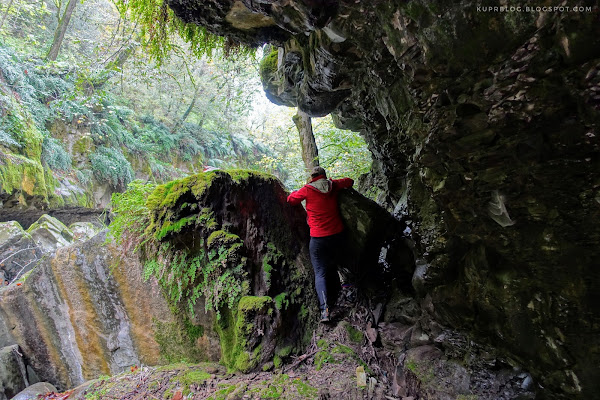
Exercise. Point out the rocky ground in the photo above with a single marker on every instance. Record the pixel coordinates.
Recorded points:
(331, 368)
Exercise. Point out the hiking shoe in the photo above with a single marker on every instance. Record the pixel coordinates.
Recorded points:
(325, 315)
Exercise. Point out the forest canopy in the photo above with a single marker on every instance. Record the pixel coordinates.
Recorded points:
(124, 90)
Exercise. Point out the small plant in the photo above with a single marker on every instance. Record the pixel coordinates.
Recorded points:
(132, 215)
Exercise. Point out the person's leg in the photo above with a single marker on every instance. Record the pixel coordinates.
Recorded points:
(318, 257)
(334, 250)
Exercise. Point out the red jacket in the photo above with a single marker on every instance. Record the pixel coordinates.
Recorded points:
(321, 197)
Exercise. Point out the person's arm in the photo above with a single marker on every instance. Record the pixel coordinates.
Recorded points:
(343, 183)
(297, 196)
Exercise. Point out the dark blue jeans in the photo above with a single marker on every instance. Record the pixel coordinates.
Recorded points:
(325, 255)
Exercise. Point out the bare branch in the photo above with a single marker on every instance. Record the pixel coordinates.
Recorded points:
(15, 253)
(21, 270)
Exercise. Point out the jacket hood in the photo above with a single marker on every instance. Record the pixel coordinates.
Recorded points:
(323, 185)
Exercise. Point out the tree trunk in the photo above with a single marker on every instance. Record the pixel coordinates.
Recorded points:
(117, 62)
(61, 29)
(188, 111)
(310, 153)
(6, 13)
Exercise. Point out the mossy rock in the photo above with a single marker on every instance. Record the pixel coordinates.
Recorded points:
(21, 174)
(243, 332)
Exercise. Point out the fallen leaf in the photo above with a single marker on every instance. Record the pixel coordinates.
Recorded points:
(177, 396)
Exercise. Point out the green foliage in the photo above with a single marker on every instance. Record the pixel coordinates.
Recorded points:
(54, 155)
(131, 214)
(214, 268)
(342, 153)
(282, 301)
(110, 166)
(160, 28)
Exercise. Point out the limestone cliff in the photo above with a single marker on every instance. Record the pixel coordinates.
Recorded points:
(484, 127)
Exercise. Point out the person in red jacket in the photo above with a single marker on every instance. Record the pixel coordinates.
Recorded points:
(326, 227)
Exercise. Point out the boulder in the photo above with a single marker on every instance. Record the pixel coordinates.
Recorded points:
(32, 392)
(18, 252)
(13, 374)
(75, 318)
(50, 234)
(67, 215)
(83, 231)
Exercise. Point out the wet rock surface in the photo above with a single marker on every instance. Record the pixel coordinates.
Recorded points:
(80, 314)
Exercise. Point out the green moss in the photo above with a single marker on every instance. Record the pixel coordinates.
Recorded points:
(176, 344)
(225, 328)
(354, 334)
(422, 370)
(284, 351)
(234, 329)
(281, 301)
(277, 361)
(194, 332)
(22, 174)
(268, 65)
(166, 196)
(270, 260)
(303, 312)
(194, 376)
(323, 357)
(222, 238)
(305, 390)
(243, 175)
(83, 145)
(224, 392)
(342, 349)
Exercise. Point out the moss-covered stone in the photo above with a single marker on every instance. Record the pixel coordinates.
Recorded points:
(354, 334)
(240, 332)
(22, 174)
(268, 65)
(176, 343)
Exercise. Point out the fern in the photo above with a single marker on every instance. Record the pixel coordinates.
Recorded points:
(54, 155)
(131, 214)
(110, 166)
(160, 28)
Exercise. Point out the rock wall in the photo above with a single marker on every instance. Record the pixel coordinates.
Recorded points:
(84, 313)
(484, 128)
